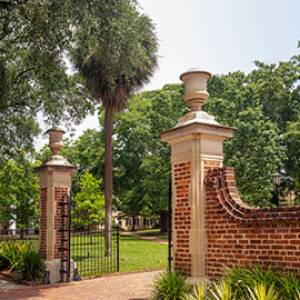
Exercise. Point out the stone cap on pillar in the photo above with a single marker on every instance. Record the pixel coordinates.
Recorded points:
(55, 145)
(196, 121)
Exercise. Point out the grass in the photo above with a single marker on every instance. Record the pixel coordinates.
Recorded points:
(137, 254)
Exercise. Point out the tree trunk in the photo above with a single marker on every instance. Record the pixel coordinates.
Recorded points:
(133, 224)
(108, 179)
(164, 221)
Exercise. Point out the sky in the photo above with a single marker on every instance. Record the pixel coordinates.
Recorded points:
(218, 36)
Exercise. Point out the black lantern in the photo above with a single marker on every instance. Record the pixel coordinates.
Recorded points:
(276, 179)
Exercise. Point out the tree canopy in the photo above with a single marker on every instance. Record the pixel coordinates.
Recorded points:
(19, 191)
(88, 203)
(116, 53)
(266, 140)
(35, 38)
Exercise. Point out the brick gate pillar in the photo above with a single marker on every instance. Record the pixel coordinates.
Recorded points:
(196, 145)
(55, 182)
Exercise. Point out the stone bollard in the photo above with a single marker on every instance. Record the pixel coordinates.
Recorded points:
(55, 183)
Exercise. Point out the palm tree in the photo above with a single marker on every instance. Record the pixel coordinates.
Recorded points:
(116, 54)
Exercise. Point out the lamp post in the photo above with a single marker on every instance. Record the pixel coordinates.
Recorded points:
(276, 180)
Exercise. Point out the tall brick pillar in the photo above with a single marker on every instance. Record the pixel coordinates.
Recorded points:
(55, 182)
(196, 145)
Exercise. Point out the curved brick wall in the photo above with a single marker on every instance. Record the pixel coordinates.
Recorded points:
(240, 235)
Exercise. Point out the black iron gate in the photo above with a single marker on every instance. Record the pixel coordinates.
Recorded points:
(84, 249)
(88, 252)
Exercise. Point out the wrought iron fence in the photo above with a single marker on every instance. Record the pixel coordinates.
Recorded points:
(88, 252)
(28, 236)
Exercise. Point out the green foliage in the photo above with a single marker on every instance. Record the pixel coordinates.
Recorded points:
(292, 140)
(222, 291)
(34, 38)
(199, 292)
(170, 286)
(116, 53)
(89, 202)
(252, 283)
(22, 259)
(261, 292)
(256, 153)
(19, 192)
(284, 283)
(115, 50)
(11, 255)
(86, 152)
(33, 267)
(141, 160)
(261, 105)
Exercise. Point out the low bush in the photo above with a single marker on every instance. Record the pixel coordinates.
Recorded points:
(23, 259)
(238, 283)
(286, 284)
(199, 292)
(32, 268)
(11, 254)
(170, 286)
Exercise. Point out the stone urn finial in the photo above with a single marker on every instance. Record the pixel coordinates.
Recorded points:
(55, 140)
(55, 145)
(195, 83)
(195, 95)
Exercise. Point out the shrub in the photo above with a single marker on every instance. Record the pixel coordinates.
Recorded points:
(222, 291)
(199, 292)
(11, 254)
(170, 286)
(22, 259)
(32, 268)
(242, 279)
(262, 292)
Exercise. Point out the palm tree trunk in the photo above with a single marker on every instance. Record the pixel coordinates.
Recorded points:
(108, 180)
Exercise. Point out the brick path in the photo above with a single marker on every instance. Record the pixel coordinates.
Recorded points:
(134, 286)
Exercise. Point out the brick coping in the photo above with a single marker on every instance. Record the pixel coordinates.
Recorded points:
(222, 180)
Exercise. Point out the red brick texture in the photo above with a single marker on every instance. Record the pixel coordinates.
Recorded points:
(240, 235)
(60, 193)
(43, 221)
(182, 216)
(61, 196)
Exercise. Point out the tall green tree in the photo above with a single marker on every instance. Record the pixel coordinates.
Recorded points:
(141, 160)
(19, 193)
(88, 202)
(256, 150)
(116, 54)
(292, 163)
(34, 39)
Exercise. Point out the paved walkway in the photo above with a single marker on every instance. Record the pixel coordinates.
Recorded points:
(134, 286)
(8, 285)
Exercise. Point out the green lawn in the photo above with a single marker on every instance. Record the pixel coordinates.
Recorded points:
(137, 254)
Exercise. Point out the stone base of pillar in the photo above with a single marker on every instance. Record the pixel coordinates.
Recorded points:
(195, 281)
(53, 268)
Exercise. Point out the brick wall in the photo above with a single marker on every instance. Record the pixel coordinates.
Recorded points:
(240, 235)
(182, 216)
(60, 196)
(43, 221)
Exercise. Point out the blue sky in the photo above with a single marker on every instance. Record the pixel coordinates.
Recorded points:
(221, 35)
(217, 35)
